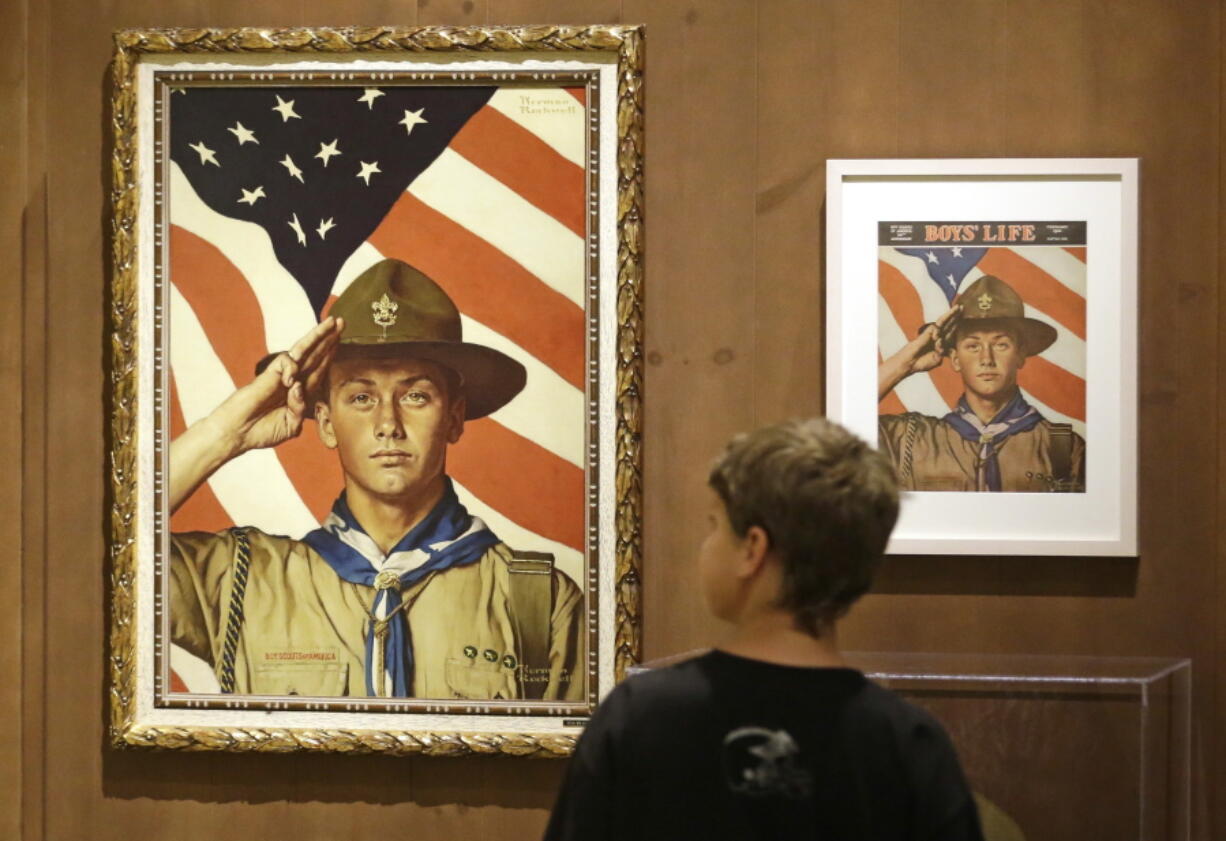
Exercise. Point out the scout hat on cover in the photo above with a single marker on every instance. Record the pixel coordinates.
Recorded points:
(990, 302)
(392, 310)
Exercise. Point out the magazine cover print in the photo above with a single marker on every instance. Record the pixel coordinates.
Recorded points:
(982, 355)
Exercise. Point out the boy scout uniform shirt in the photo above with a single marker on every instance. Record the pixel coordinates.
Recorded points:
(942, 460)
(304, 628)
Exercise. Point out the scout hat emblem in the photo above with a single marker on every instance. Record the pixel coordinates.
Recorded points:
(384, 312)
(985, 302)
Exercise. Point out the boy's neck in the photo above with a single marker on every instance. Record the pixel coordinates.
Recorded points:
(387, 520)
(772, 636)
(986, 408)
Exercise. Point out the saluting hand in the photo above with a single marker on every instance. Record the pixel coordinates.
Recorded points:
(923, 353)
(264, 413)
(270, 409)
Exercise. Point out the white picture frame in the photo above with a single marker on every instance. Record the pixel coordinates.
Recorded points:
(1099, 517)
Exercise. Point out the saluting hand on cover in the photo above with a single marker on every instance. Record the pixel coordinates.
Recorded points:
(264, 413)
(923, 353)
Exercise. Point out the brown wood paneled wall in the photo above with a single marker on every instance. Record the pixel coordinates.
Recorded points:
(746, 101)
(13, 201)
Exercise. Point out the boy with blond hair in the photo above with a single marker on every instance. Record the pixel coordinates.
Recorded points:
(771, 734)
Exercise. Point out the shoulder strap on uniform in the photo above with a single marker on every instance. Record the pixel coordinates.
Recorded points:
(906, 468)
(234, 617)
(531, 583)
(1061, 452)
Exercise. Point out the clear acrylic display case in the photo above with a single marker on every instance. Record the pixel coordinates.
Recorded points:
(1060, 747)
(1056, 748)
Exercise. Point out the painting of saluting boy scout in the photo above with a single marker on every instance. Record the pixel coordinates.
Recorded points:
(981, 355)
(376, 391)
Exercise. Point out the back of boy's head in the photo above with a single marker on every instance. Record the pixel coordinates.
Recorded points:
(826, 500)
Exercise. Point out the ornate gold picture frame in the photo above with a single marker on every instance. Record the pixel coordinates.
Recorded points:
(376, 386)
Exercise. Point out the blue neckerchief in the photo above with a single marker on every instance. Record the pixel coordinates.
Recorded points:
(448, 537)
(1017, 416)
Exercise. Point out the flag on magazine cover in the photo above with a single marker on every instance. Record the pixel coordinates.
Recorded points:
(280, 197)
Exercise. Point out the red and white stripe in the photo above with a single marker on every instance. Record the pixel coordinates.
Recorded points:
(498, 221)
(1052, 283)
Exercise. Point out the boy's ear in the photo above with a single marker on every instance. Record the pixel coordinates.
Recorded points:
(755, 546)
(323, 420)
(457, 410)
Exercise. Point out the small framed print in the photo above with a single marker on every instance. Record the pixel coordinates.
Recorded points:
(981, 328)
(377, 377)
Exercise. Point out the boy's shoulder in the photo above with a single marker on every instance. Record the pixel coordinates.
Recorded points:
(689, 681)
(714, 677)
(879, 707)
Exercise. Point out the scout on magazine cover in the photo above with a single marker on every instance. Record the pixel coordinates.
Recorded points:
(982, 354)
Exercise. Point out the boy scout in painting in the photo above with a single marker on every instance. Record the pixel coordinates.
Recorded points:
(401, 592)
(993, 440)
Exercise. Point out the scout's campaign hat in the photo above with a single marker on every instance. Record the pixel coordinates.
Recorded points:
(392, 310)
(991, 303)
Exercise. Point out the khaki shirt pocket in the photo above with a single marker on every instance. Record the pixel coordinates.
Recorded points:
(310, 679)
(476, 679)
(942, 483)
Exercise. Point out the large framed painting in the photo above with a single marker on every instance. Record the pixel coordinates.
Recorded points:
(376, 366)
(981, 328)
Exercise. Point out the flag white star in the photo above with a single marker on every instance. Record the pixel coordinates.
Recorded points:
(251, 196)
(285, 109)
(368, 170)
(957, 249)
(244, 135)
(327, 150)
(412, 118)
(932, 258)
(293, 223)
(369, 97)
(325, 225)
(206, 154)
(950, 278)
(292, 168)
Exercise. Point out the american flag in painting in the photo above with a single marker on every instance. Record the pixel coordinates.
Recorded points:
(280, 196)
(917, 283)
